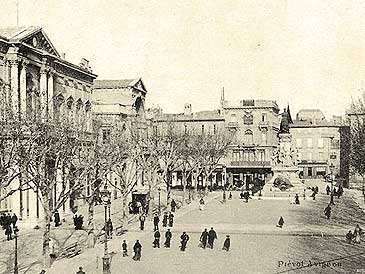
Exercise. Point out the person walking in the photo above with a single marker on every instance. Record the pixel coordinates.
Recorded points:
(246, 196)
(327, 212)
(212, 235)
(357, 234)
(224, 196)
(137, 248)
(349, 237)
(168, 236)
(13, 220)
(227, 243)
(281, 222)
(8, 232)
(125, 249)
(204, 238)
(230, 196)
(109, 228)
(157, 236)
(201, 204)
(184, 241)
(297, 199)
(171, 220)
(81, 271)
(328, 190)
(173, 205)
(57, 219)
(165, 219)
(142, 219)
(156, 220)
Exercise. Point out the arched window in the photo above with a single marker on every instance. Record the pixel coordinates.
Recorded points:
(248, 137)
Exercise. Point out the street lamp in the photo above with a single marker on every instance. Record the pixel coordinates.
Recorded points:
(332, 167)
(16, 230)
(159, 201)
(105, 196)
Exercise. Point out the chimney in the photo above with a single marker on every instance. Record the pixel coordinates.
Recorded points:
(63, 56)
(187, 109)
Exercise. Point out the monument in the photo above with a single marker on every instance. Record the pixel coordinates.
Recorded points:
(285, 179)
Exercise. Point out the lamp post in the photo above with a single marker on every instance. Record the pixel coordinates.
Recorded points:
(331, 169)
(105, 195)
(16, 230)
(159, 201)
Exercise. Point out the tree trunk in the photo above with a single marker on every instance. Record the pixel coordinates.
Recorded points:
(184, 185)
(168, 186)
(47, 229)
(90, 225)
(125, 209)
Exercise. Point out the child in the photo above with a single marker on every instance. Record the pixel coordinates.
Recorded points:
(125, 249)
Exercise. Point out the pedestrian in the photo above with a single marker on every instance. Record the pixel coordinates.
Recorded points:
(204, 238)
(51, 245)
(241, 195)
(297, 199)
(201, 204)
(56, 219)
(230, 196)
(75, 220)
(80, 271)
(224, 196)
(313, 194)
(142, 219)
(156, 220)
(168, 236)
(156, 242)
(14, 219)
(357, 234)
(212, 235)
(109, 228)
(327, 212)
(227, 243)
(246, 195)
(184, 240)
(317, 189)
(173, 205)
(8, 232)
(164, 220)
(171, 220)
(349, 237)
(125, 248)
(42, 272)
(281, 222)
(328, 190)
(137, 248)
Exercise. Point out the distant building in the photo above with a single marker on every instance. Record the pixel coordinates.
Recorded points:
(40, 83)
(319, 143)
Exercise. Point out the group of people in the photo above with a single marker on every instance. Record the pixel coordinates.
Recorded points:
(336, 191)
(78, 221)
(8, 223)
(354, 237)
(245, 195)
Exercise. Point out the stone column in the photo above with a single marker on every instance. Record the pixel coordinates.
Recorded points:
(23, 89)
(14, 80)
(43, 93)
(50, 94)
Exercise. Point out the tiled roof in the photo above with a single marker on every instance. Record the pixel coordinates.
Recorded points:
(306, 123)
(196, 116)
(123, 83)
(17, 33)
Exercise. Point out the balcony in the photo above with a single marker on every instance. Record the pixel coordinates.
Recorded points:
(257, 164)
(263, 124)
(232, 124)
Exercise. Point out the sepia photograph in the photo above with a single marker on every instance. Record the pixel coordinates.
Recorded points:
(182, 137)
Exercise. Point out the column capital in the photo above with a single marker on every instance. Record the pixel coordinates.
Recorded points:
(14, 62)
(51, 71)
(25, 63)
(43, 70)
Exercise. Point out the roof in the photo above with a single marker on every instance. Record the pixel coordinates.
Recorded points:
(317, 123)
(17, 33)
(250, 104)
(122, 83)
(210, 115)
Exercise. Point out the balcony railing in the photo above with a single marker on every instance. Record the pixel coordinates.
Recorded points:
(251, 163)
(232, 124)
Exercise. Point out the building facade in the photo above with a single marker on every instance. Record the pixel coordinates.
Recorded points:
(40, 83)
(319, 144)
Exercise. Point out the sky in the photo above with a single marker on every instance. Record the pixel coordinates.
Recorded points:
(310, 54)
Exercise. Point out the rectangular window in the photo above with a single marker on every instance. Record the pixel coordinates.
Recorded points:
(202, 129)
(299, 142)
(320, 143)
(309, 142)
(263, 117)
(264, 137)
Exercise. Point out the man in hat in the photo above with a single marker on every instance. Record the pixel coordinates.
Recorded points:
(168, 236)
(227, 243)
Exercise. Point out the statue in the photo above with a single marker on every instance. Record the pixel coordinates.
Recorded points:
(284, 124)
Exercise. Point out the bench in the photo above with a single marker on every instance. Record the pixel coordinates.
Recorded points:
(71, 251)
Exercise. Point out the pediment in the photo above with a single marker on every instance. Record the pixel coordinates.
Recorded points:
(140, 85)
(39, 40)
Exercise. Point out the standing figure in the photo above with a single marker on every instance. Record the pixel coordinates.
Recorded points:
(328, 190)
(349, 237)
(81, 271)
(246, 196)
(8, 232)
(14, 219)
(165, 219)
(184, 240)
(75, 220)
(241, 195)
(327, 212)
(224, 196)
(297, 199)
(156, 242)
(357, 234)
(173, 205)
(230, 196)
(212, 235)
(142, 219)
(204, 238)
(57, 219)
(137, 248)
(227, 243)
(171, 220)
(201, 204)
(168, 236)
(156, 220)
(281, 222)
(125, 248)
(109, 228)
(313, 194)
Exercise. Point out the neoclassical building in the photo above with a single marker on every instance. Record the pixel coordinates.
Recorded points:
(40, 83)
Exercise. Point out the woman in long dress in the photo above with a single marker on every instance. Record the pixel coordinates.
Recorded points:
(201, 204)
(357, 234)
